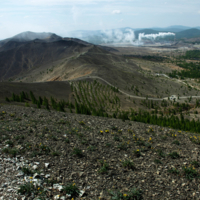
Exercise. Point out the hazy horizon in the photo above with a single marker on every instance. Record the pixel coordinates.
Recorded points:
(62, 16)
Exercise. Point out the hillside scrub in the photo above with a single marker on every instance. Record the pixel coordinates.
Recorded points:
(100, 100)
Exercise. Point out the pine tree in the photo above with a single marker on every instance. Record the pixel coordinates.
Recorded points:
(33, 99)
(21, 99)
(40, 100)
(38, 104)
(13, 97)
(47, 106)
(53, 103)
(60, 107)
(7, 99)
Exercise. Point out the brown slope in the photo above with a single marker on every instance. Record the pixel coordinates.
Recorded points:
(33, 54)
(105, 64)
(80, 60)
(10, 45)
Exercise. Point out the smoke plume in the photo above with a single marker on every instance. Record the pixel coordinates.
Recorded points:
(117, 36)
(154, 36)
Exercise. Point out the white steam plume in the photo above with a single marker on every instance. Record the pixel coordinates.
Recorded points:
(117, 36)
(154, 36)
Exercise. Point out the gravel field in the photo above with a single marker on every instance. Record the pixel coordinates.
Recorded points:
(44, 152)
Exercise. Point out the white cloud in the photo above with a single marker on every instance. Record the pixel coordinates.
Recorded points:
(116, 12)
(121, 20)
(76, 12)
(199, 12)
(54, 2)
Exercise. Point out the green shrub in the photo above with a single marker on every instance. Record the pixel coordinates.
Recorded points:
(82, 123)
(13, 152)
(157, 161)
(44, 148)
(91, 148)
(77, 152)
(173, 171)
(137, 153)
(116, 138)
(161, 153)
(67, 140)
(10, 151)
(195, 163)
(190, 172)
(71, 189)
(140, 143)
(26, 189)
(122, 146)
(27, 171)
(104, 167)
(176, 142)
(134, 194)
(35, 153)
(5, 150)
(10, 143)
(55, 153)
(129, 164)
(53, 137)
(108, 144)
(114, 128)
(27, 104)
(174, 155)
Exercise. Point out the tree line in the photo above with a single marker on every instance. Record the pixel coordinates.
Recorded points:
(142, 116)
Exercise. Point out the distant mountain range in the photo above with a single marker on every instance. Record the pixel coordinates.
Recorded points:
(127, 34)
(177, 28)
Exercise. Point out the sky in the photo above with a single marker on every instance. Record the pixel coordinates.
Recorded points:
(63, 16)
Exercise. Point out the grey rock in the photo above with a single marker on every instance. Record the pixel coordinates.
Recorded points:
(47, 176)
(57, 187)
(46, 165)
(35, 167)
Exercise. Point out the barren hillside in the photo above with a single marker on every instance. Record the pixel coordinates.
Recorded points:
(46, 153)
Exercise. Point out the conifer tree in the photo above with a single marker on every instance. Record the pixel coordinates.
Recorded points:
(33, 99)
(38, 104)
(13, 97)
(40, 100)
(7, 99)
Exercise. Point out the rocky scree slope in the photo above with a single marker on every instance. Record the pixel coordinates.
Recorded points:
(99, 156)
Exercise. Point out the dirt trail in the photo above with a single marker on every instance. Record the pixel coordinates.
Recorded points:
(132, 96)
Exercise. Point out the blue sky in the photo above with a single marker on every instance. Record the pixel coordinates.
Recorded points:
(63, 16)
